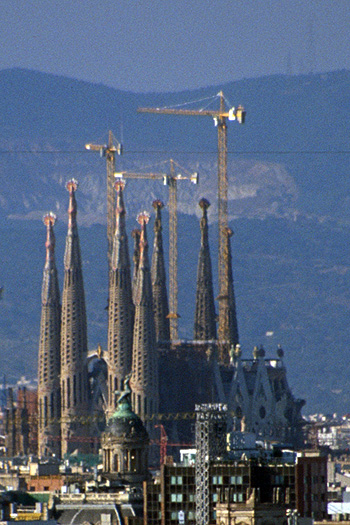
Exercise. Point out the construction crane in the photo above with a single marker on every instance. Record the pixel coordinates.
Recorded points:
(171, 181)
(163, 443)
(220, 116)
(109, 150)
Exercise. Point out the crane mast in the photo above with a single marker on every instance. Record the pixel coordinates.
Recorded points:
(109, 150)
(170, 181)
(220, 116)
(110, 161)
(173, 283)
(223, 331)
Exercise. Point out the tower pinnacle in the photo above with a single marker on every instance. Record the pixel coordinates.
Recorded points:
(159, 291)
(228, 327)
(120, 306)
(145, 362)
(74, 382)
(205, 318)
(136, 258)
(49, 351)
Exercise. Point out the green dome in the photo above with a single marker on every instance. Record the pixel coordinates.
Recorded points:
(124, 410)
(124, 422)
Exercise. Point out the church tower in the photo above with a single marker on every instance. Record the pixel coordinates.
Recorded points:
(205, 317)
(159, 291)
(145, 396)
(74, 380)
(135, 258)
(120, 306)
(228, 329)
(49, 399)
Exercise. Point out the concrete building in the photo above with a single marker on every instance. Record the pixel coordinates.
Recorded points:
(245, 491)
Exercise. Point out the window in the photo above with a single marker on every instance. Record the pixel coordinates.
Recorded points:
(279, 480)
(176, 498)
(235, 480)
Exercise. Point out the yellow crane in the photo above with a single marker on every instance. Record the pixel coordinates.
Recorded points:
(220, 117)
(109, 150)
(171, 181)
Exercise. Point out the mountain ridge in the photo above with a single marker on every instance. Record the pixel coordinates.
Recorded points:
(288, 206)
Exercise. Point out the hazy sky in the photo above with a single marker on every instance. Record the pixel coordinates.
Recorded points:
(168, 45)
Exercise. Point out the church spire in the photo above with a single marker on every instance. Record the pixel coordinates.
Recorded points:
(228, 329)
(205, 318)
(136, 258)
(145, 362)
(159, 291)
(74, 381)
(49, 351)
(120, 307)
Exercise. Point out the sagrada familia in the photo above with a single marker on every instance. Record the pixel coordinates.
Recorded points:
(77, 394)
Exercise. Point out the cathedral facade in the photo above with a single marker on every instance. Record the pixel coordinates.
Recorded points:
(167, 377)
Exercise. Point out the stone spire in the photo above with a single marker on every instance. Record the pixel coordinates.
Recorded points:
(120, 307)
(74, 380)
(49, 399)
(144, 363)
(136, 258)
(159, 291)
(228, 330)
(205, 317)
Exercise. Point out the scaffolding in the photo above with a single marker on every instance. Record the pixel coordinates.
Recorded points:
(211, 427)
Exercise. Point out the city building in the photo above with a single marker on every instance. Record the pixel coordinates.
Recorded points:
(245, 491)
